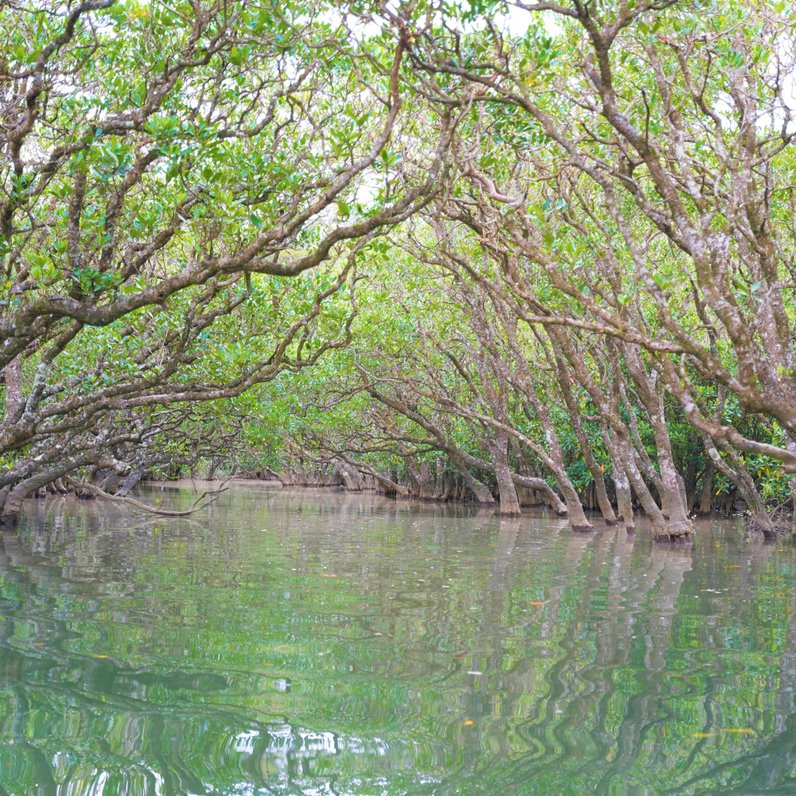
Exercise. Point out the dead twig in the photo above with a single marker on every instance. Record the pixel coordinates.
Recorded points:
(209, 496)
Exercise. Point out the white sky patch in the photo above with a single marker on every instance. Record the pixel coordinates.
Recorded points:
(516, 21)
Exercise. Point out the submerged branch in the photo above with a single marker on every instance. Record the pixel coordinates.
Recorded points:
(208, 496)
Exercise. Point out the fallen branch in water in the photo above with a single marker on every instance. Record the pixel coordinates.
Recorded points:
(209, 496)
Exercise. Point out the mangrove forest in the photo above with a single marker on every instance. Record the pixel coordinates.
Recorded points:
(397, 397)
(523, 254)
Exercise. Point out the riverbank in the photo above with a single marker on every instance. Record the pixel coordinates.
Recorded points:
(529, 510)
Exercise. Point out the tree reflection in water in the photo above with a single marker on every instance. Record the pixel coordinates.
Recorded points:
(427, 650)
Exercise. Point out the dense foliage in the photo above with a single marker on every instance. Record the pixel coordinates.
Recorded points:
(502, 252)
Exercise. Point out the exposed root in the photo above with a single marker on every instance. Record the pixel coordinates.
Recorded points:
(582, 528)
(770, 525)
(769, 533)
(676, 533)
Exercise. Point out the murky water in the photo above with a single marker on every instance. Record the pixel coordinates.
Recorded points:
(318, 643)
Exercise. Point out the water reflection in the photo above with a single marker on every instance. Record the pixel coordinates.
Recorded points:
(304, 642)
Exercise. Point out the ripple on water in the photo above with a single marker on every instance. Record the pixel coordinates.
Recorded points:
(323, 643)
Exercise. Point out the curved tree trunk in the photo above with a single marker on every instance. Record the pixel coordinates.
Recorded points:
(12, 505)
(543, 488)
(352, 480)
(760, 520)
(391, 488)
(480, 491)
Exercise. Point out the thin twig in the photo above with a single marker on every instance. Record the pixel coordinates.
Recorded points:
(211, 496)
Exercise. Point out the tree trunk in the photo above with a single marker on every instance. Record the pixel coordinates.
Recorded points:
(130, 482)
(390, 487)
(670, 486)
(12, 505)
(554, 458)
(12, 374)
(509, 502)
(576, 517)
(624, 495)
(706, 496)
(352, 480)
(575, 514)
(624, 498)
(480, 491)
(662, 528)
(760, 520)
(791, 445)
(543, 488)
(603, 503)
(109, 480)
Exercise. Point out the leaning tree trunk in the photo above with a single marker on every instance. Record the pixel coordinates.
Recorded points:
(352, 480)
(544, 489)
(390, 487)
(760, 519)
(603, 503)
(671, 488)
(669, 522)
(14, 498)
(555, 462)
(673, 498)
(624, 495)
(130, 482)
(662, 529)
(421, 478)
(480, 491)
(576, 517)
(30, 478)
(606, 509)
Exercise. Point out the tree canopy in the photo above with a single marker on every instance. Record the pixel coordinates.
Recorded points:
(507, 252)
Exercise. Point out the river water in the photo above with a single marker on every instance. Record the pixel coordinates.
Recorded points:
(321, 643)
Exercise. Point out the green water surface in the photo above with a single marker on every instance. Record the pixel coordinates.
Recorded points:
(321, 643)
